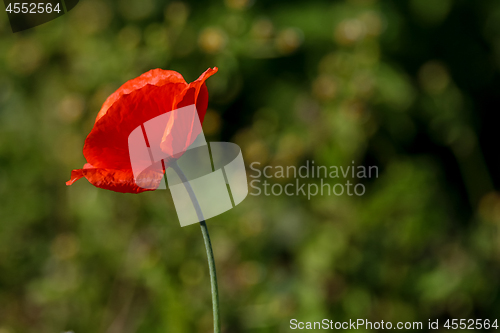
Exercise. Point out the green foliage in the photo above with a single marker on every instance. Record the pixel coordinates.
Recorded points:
(333, 82)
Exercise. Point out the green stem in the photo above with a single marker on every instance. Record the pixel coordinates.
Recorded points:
(208, 244)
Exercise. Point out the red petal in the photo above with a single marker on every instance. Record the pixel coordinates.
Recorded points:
(157, 77)
(197, 93)
(107, 144)
(117, 180)
(75, 175)
(182, 132)
(137, 101)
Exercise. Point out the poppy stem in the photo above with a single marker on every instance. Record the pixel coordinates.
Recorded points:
(208, 244)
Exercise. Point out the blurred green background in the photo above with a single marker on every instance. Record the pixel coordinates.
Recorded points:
(412, 87)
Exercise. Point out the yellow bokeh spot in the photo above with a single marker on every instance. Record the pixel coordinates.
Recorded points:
(212, 40)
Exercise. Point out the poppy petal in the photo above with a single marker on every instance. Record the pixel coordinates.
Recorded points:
(119, 180)
(197, 93)
(134, 103)
(156, 77)
(75, 175)
(182, 131)
(107, 144)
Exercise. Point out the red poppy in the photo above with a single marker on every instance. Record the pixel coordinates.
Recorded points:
(152, 94)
